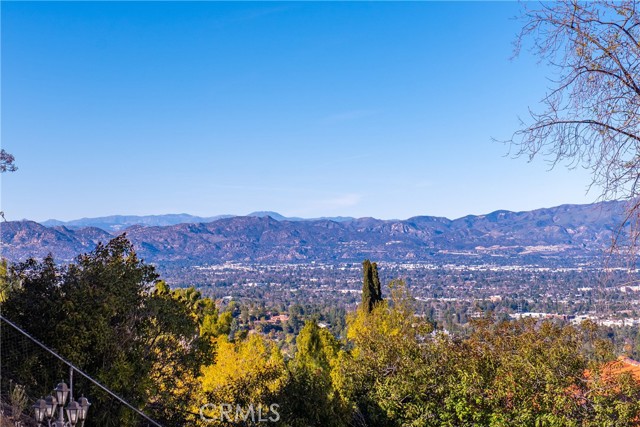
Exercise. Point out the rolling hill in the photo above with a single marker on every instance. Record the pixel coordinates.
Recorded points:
(567, 231)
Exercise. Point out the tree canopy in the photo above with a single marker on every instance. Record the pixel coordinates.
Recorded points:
(106, 313)
(7, 162)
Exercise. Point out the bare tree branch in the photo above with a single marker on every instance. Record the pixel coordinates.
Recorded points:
(591, 116)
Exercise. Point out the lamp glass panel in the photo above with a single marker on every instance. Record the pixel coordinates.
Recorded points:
(62, 393)
(51, 403)
(72, 413)
(39, 410)
(84, 405)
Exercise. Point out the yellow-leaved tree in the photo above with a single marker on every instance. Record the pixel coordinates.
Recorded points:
(244, 383)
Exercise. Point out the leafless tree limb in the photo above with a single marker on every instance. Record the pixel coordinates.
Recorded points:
(590, 117)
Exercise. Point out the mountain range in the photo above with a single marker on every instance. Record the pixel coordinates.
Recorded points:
(120, 222)
(569, 232)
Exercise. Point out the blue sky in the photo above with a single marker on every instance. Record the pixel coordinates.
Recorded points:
(308, 109)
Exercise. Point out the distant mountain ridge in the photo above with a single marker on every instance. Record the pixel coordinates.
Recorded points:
(121, 222)
(571, 232)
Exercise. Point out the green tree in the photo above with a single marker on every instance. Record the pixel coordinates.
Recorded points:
(371, 290)
(389, 375)
(310, 397)
(181, 340)
(103, 313)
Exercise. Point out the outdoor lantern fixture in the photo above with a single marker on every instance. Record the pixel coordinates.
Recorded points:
(62, 393)
(73, 412)
(51, 404)
(76, 412)
(84, 407)
(40, 409)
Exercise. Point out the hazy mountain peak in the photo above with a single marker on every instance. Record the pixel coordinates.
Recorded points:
(274, 215)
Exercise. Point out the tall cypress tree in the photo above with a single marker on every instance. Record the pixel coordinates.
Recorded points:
(367, 286)
(376, 283)
(371, 291)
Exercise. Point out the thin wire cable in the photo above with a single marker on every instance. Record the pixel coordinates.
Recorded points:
(72, 366)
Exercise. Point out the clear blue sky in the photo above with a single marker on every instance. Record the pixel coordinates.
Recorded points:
(308, 109)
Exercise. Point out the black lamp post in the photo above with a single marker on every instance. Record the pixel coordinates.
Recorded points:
(45, 409)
